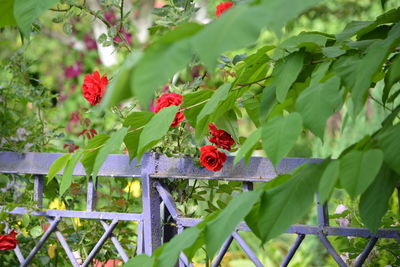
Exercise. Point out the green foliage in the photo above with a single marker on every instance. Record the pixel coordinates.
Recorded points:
(209, 110)
(27, 11)
(358, 170)
(67, 177)
(286, 72)
(155, 129)
(247, 147)
(390, 143)
(92, 150)
(217, 231)
(192, 99)
(155, 66)
(7, 17)
(279, 135)
(285, 204)
(57, 166)
(114, 142)
(135, 120)
(317, 103)
(237, 28)
(372, 208)
(328, 181)
(287, 90)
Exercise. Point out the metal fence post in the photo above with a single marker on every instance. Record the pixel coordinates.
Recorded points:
(151, 206)
(38, 191)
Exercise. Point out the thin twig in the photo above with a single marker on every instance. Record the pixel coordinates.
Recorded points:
(102, 19)
(384, 106)
(255, 82)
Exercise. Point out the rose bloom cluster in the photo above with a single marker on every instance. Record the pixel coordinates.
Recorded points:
(9, 241)
(93, 89)
(210, 156)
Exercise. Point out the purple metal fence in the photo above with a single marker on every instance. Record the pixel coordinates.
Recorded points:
(152, 170)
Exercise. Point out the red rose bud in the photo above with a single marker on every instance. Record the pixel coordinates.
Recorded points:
(171, 99)
(71, 147)
(222, 7)
(212, 158)
(8, 242)
(93, 87)
(220, 138)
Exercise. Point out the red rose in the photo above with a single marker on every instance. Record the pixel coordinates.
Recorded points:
(221, 8)
(220, 138)
(8, 241)
(171, 99)
(212, 158)
(93, 87)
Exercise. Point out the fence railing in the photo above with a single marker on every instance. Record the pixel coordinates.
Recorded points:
(152, 169)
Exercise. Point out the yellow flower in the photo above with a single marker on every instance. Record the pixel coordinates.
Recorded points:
(51, 251)
(76, 222)
(134, 188)
(57, 204)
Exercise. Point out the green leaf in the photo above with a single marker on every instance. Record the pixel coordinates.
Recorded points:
(155, 129)
(164, 58)
(328, 180)
(389, 141)
(36, 231)
(252, 106)
(392, 77)
(229, 123)
(317, 103)
(3, 180)
(67, 177)
(358, 170)
(311, 41)
(195, 98)
(117, 90)
(113, 143)
(7, 13)
(140, 260)
(371, 64)
(203, 119)
(255, 66)
(25, 220)
(285, 204)
(333, 51)
(279, 134)
(219, 229)
(351, 29)
(374, 202)
(57, 166)
(247, 147)
(27, 11)
(188, 241)
(267, 101)
(135, 120)
(285, 73)
(91, 151)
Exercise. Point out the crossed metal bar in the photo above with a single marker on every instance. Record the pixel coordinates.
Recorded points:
(152, 170)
